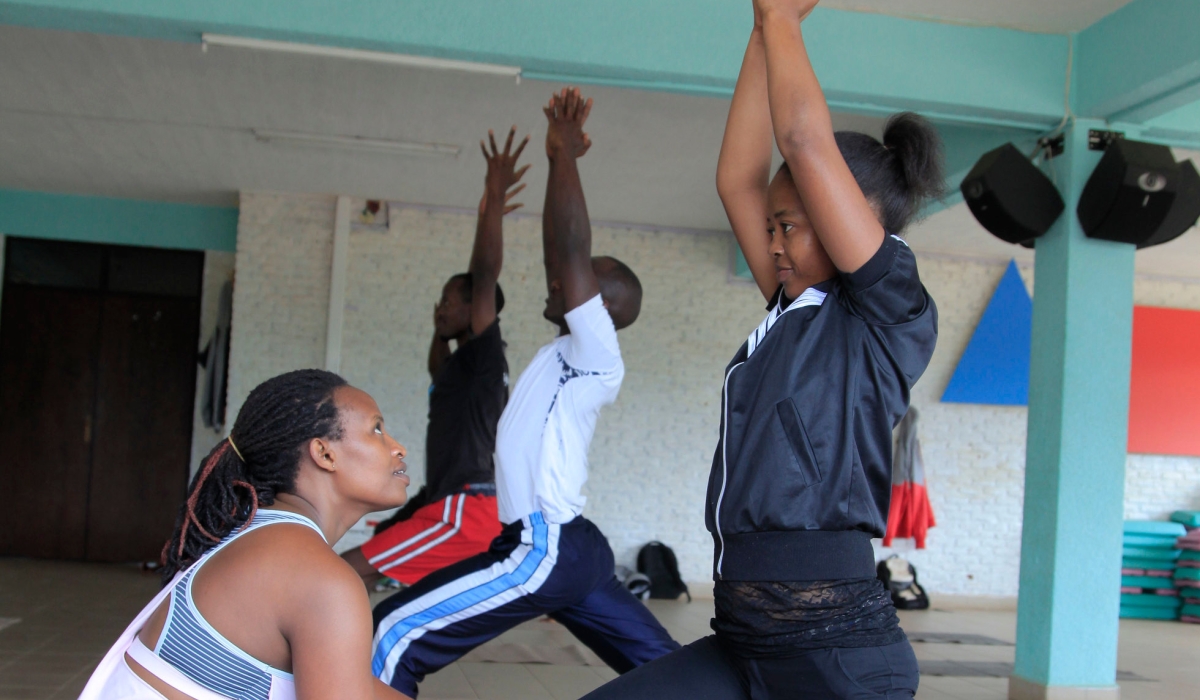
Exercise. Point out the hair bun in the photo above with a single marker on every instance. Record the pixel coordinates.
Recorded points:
(918, 148)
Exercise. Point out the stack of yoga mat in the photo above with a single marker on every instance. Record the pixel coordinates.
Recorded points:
(1148, 557)
(1187, 566)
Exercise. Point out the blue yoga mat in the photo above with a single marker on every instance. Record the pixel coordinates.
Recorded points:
(1190, 518)
(1190, 555)
(1188, 574)
(1154, 527)
(1152, 541)
(1193, 610)
(1141, 613)
(1139, 563)
(1146, 582)
(1167, 555)
(1151, 601)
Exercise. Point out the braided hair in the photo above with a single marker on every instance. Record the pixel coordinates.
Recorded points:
(260, 459)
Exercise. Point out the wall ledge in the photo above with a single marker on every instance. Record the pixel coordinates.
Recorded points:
(1024, 689)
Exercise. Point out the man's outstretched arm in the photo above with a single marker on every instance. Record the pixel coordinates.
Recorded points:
(567, 232)
(488, 254)
(549, 245)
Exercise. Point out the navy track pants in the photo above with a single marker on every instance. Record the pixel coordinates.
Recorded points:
(705, 670)
(532, 569)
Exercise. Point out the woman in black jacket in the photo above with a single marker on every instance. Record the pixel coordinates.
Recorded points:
(801, 477)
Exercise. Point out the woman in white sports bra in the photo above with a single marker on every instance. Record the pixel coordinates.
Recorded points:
(256, 605)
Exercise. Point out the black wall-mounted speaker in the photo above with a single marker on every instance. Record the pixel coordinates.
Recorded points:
(1184, 212)
(1010, 197)
(1130, 193)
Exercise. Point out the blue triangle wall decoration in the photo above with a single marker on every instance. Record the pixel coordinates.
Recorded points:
(994, 369)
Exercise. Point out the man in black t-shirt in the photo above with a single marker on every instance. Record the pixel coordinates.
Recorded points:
(454, 516)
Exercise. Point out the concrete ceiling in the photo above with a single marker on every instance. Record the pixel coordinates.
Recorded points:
(144, 119)
(121, 117)
(1050, 16)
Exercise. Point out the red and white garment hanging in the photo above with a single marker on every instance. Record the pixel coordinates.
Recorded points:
(910, 514)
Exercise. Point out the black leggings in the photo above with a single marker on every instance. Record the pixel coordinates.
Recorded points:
(703, 670)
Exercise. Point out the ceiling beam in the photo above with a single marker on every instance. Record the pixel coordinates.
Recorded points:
(1180, 127)
(1139, 63)
(868, 63)
(71, 217)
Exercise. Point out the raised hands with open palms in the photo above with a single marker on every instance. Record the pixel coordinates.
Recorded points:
(503, 175)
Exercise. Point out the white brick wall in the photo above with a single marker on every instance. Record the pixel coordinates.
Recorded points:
(653, 448)
(281, 289)
(1156, 485)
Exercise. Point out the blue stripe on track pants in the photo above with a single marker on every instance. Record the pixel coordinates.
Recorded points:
(532, 569)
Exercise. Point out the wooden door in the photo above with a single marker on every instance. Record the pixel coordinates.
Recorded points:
(47, 399)
(97, 382)
(145, 393)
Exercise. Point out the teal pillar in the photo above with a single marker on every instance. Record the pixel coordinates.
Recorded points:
(1075, 452)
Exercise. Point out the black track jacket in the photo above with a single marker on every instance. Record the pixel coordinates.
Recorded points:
(801, 478)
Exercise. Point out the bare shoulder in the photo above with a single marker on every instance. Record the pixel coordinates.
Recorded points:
(307, 561)
(299, 561)
(320, 599)
(277, 586)
(317, 597)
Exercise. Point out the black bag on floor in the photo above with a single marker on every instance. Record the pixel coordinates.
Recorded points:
(900, 578)
(658, 563)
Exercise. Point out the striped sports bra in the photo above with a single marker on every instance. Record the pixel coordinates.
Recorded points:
(197, 650)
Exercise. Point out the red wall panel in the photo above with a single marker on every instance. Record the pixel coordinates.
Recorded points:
(1164, 386)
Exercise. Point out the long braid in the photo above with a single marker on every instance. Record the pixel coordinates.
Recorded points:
(190, 517)
(273, 427)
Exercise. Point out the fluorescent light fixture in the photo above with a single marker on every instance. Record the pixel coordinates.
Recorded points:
(399, 59)
(357, 143)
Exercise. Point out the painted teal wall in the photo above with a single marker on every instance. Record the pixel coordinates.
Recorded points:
(121, 221)
(1179, 127)
(1075, 453)
(1139, 62)
(1186, 118)
(868, 63)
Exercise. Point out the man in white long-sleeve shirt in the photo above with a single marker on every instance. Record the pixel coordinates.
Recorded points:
(549, 559)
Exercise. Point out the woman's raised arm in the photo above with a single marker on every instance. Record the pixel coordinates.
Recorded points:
(745, 163)
(843, 219)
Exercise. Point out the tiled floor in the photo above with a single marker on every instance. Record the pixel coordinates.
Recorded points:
(70, 613)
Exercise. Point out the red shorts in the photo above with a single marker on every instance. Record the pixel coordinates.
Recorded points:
(436, 536)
